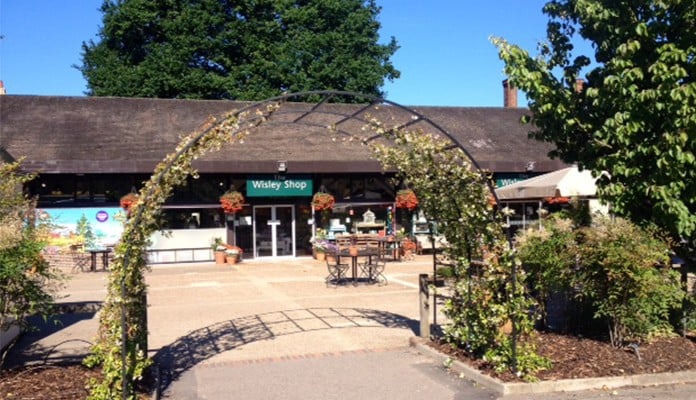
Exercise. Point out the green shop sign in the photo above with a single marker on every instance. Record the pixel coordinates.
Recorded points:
(279, 186)
(508, 179)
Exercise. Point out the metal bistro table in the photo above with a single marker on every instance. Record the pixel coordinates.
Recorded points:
(368, 252)
(105, 258)
(390, 246)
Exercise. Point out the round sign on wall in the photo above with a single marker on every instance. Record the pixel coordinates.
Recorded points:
(102, 216)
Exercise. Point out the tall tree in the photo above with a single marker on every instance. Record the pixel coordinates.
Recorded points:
(633, 114)
(236, 49)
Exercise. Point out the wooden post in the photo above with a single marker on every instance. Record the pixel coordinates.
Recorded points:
(424, 305)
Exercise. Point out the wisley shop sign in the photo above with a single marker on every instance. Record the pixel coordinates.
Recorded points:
(284, 187)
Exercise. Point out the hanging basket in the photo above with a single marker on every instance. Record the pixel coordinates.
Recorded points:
(323, 201)
(557, 200)
(232, 202)
(406, 198)
(128, 200)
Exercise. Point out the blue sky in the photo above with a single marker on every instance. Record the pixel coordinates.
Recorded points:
(445, 58)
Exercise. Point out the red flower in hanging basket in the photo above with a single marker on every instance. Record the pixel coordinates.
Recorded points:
(323, 201)
(128, 200)
(406, 198)
(232, 202)
(557, 200)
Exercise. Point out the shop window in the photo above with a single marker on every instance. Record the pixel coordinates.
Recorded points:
(63, 189)
(192, 218)
(358, 188)
(378, 188)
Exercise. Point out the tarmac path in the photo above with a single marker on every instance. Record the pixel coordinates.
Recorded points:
(376, 375)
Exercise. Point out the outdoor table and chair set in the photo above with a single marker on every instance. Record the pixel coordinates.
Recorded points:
(357, 262)
(85, 259)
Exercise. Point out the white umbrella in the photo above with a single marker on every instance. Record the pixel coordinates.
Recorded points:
(567, 182)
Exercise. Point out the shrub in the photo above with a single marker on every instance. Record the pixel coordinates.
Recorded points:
(626, 275)
(549, 258)
(26, 279)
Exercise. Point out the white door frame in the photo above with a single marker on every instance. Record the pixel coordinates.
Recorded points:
(276, 246)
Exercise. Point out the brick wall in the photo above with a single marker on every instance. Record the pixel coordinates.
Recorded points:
(64, 262)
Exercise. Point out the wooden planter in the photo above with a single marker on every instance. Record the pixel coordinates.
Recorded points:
(232, 259)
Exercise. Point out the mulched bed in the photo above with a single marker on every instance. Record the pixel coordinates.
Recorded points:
(49, 382)
(577, 357)
(573, 357)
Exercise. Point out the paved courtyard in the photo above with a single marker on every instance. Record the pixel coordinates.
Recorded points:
(259, 329)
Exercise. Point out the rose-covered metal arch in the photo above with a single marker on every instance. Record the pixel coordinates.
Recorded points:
(344, 114)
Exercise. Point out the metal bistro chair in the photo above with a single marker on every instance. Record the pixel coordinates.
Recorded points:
(374, 270)
(81, 260)
(337, 271)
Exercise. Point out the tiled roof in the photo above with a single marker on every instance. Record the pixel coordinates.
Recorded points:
(130, 135)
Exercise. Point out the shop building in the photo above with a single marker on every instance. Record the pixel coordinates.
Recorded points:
(90, 151)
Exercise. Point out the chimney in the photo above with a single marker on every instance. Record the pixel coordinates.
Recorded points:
(509, 95)
(2, 88)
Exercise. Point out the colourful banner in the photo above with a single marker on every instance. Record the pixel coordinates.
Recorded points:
(95, 227)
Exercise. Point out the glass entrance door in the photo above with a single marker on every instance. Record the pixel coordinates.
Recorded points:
(274, 231)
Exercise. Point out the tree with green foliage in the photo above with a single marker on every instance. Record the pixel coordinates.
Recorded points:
(27, 281)
(239, 50)
(629, 111)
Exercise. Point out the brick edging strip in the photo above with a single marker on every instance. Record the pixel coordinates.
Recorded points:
(562, 385)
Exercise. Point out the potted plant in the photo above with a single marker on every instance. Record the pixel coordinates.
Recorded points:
(319, 244)
(219, 248)
(232, 202)
(233, 254)
(409, 246)
(319, 249)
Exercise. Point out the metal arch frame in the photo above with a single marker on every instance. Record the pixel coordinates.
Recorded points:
(373, 101)
(325, 97)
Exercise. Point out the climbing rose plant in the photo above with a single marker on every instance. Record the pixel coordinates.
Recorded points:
(488, 297)
(126, 290)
